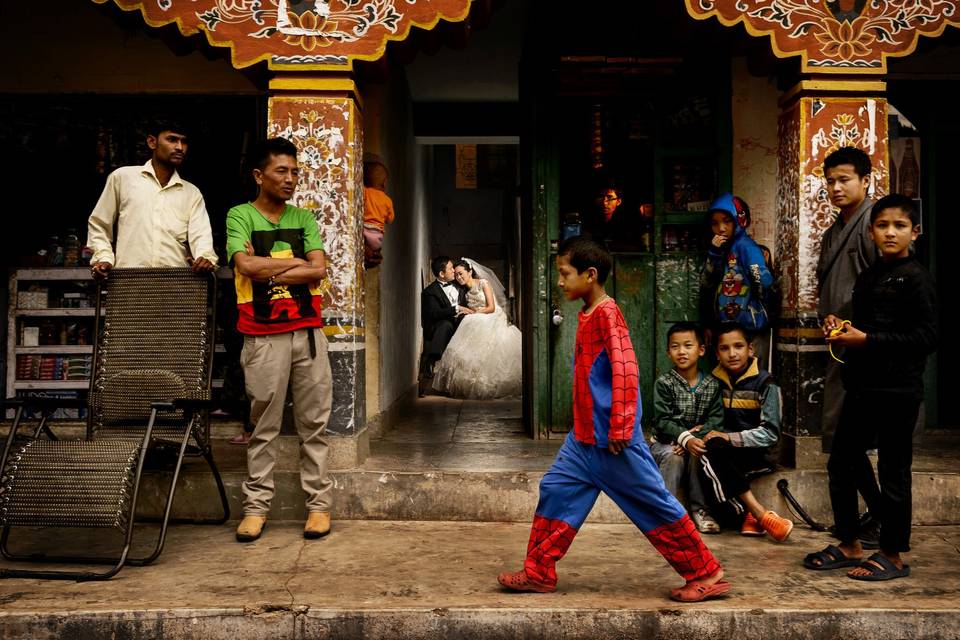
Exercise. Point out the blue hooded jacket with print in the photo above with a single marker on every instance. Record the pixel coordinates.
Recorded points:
(735, 278)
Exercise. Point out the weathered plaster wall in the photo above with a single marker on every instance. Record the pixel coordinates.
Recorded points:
(389, 134)
(82, 47)
(755, 148)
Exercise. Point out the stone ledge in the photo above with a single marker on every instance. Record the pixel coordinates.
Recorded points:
(507, 496)
(673, 622)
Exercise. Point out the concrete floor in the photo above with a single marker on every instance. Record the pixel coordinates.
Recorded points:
(446, 434)
(416, 579)
(420, 579)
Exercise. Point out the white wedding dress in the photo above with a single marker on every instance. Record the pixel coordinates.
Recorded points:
(484, 357)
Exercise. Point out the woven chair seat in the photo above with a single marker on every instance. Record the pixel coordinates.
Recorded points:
(154, 344)
(69, 483)
(135, 431)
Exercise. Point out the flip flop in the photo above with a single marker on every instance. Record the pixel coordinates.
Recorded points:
(695, 591)
(520, 581)
(830, 558)
(880, 568)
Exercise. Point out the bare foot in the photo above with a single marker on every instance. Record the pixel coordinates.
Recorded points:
(892, 557)
(853, 551)
(713, 579)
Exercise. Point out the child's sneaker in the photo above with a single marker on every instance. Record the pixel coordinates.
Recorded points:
(778, 527)
(520, 581)
(705, 522)
(751, 527)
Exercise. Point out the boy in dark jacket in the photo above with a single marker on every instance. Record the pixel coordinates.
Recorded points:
(887, 341)
(751, 408)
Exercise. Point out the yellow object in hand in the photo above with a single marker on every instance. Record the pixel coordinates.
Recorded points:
(835, 332)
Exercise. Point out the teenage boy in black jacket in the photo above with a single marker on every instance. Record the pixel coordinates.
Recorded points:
(893, 329)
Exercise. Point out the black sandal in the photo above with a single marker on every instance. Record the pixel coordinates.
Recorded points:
(830, 558)
(880, 568)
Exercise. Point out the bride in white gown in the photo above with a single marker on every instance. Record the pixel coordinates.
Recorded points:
(483, 359)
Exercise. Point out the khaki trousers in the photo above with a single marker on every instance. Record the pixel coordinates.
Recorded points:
(270, 364)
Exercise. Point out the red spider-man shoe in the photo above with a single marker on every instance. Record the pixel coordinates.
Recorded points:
(520, 581)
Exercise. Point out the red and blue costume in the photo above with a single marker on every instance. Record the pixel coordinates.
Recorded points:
(606, 394)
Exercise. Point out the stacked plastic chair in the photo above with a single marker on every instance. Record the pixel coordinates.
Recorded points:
(150, 391)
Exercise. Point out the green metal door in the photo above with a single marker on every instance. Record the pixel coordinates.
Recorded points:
(654, 287)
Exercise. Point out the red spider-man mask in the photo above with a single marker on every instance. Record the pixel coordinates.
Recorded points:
(743, 212)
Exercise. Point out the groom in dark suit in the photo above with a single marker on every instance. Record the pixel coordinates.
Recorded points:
(443, 303)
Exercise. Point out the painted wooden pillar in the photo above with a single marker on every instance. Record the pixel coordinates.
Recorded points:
(322, 117)
(817, 117)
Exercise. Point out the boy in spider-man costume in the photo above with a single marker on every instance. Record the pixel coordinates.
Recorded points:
(605, 451)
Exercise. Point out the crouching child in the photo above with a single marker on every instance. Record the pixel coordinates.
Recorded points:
(685, 401)
(752, 413)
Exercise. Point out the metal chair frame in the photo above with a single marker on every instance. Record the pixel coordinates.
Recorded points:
(195, 416)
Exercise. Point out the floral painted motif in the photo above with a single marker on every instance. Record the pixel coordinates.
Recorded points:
(326, 132)
(788, 206)
(808, 133)
(290, 34)
(836, 35)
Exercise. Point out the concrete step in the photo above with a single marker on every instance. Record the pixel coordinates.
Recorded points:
(498, 495)
(486, 481)
(438, 580)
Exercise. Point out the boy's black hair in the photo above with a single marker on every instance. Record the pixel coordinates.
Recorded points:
(583, 253)
(439, 263)
(266, 149)
(158, 125)
(729, 327)
(849, 155)
(684, 326)
(896, 201)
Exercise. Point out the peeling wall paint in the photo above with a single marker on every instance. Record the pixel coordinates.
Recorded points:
(328, 134)
(754, 110)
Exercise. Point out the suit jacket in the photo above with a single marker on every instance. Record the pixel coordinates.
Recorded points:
(435, 307)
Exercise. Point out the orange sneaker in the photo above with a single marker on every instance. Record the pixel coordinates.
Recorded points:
(751, 527)
(779, 528)
(520, 581)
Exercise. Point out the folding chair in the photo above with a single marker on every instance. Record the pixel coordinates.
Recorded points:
(150, 385)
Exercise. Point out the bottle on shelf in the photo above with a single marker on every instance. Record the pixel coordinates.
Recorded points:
(893, 175)
(71, 249)
(909, 172)
(54, 252)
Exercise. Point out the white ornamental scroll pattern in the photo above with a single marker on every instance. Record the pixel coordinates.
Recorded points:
(326, 138)
(836, 35)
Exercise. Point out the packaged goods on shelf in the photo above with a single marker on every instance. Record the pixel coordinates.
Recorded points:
(62, 413)
(53, 367)
(33, 299)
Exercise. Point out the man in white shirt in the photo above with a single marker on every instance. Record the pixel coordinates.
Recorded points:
(159, 218)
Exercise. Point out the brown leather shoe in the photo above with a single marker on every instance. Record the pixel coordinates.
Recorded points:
(250, 528)
(318, 525)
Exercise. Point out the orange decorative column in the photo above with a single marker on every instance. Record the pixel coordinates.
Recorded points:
(817, 118)
(322, 117)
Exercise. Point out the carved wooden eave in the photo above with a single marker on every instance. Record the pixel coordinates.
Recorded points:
(299, 35)
(836, 36)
